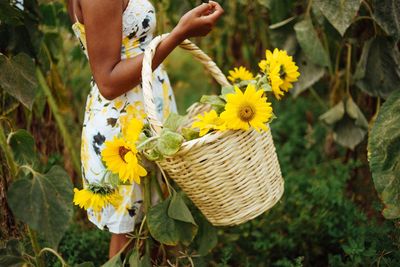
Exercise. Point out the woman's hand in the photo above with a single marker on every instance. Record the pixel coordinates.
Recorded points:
(199, 21)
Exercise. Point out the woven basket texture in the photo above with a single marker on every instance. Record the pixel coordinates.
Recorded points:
(231, 176)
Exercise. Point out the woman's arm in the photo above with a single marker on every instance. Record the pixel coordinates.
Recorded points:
(103, 27)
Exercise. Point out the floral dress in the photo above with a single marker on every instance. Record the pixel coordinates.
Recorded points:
(103, 118)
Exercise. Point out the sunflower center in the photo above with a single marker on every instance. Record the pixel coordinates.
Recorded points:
(246, 113)
(282, 72)
(122, 152)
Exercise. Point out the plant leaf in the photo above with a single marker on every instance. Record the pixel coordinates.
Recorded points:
(310, 74)
(44, 203)
(310, 43)
(207, 236)
(387, 14)
(190, 133)
(167, 230)
(11, 254)
(215, 101)
(136, 261)
(333, 115)
(340, 13)
(169, 142)
(384, 156)
(174, 121)
(378, 71)
(18, 78)
(23, 146)
(178, 210)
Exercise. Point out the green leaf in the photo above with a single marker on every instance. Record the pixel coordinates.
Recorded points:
(347, 134)
(340, 13)
(18, 78)
(384, 156)
(348, 122)
(190, 133)
(215, 101)
(167, 230)
(310, 43)
(44, 203)
(169, 142)
(378, 71)
(227, 90)
(11, 254)
(178, 210)
(114, 261)
(333, 115)
(310, 74)
(23, 146)
(207, 237)
(174, 121)
(386, 14)
(136, 261)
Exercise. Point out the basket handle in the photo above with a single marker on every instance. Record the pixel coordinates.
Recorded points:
(147, 72)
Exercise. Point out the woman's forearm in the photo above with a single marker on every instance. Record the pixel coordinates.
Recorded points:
(126, 74)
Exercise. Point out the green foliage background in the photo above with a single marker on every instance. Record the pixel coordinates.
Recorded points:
(330, 215)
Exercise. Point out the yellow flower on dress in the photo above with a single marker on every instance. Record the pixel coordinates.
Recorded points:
(240, 74)
(208, 121)
(120, 158)
(96, 197)
(250, 108)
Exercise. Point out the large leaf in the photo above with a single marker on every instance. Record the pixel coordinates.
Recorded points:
(17, 77)
(387, 14)
(348, 123)
(310, 43)
(340, 13)
(44, 202)
(310, 74)
(23, 146)
(384, 156)
(166, 229)
(378, 71)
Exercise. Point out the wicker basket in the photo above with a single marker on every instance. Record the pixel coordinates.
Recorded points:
(231, 176)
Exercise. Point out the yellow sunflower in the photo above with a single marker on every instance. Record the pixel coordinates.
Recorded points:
(272, 68)
(247, 109)
(279, 64)
(240, 74)
(96, 197)
(208, 121)
(120, 158)
(131, 130)
(288, 72)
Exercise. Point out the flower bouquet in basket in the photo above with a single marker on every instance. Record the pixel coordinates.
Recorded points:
(220, 154)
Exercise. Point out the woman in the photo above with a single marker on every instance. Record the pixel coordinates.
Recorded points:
(113, 35)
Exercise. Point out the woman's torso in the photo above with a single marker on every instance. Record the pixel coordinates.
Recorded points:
(103, 118)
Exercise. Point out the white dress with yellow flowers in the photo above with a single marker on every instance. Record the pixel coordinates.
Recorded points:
(103, 118)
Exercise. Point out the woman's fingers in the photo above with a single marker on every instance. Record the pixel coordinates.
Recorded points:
(201, 9)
